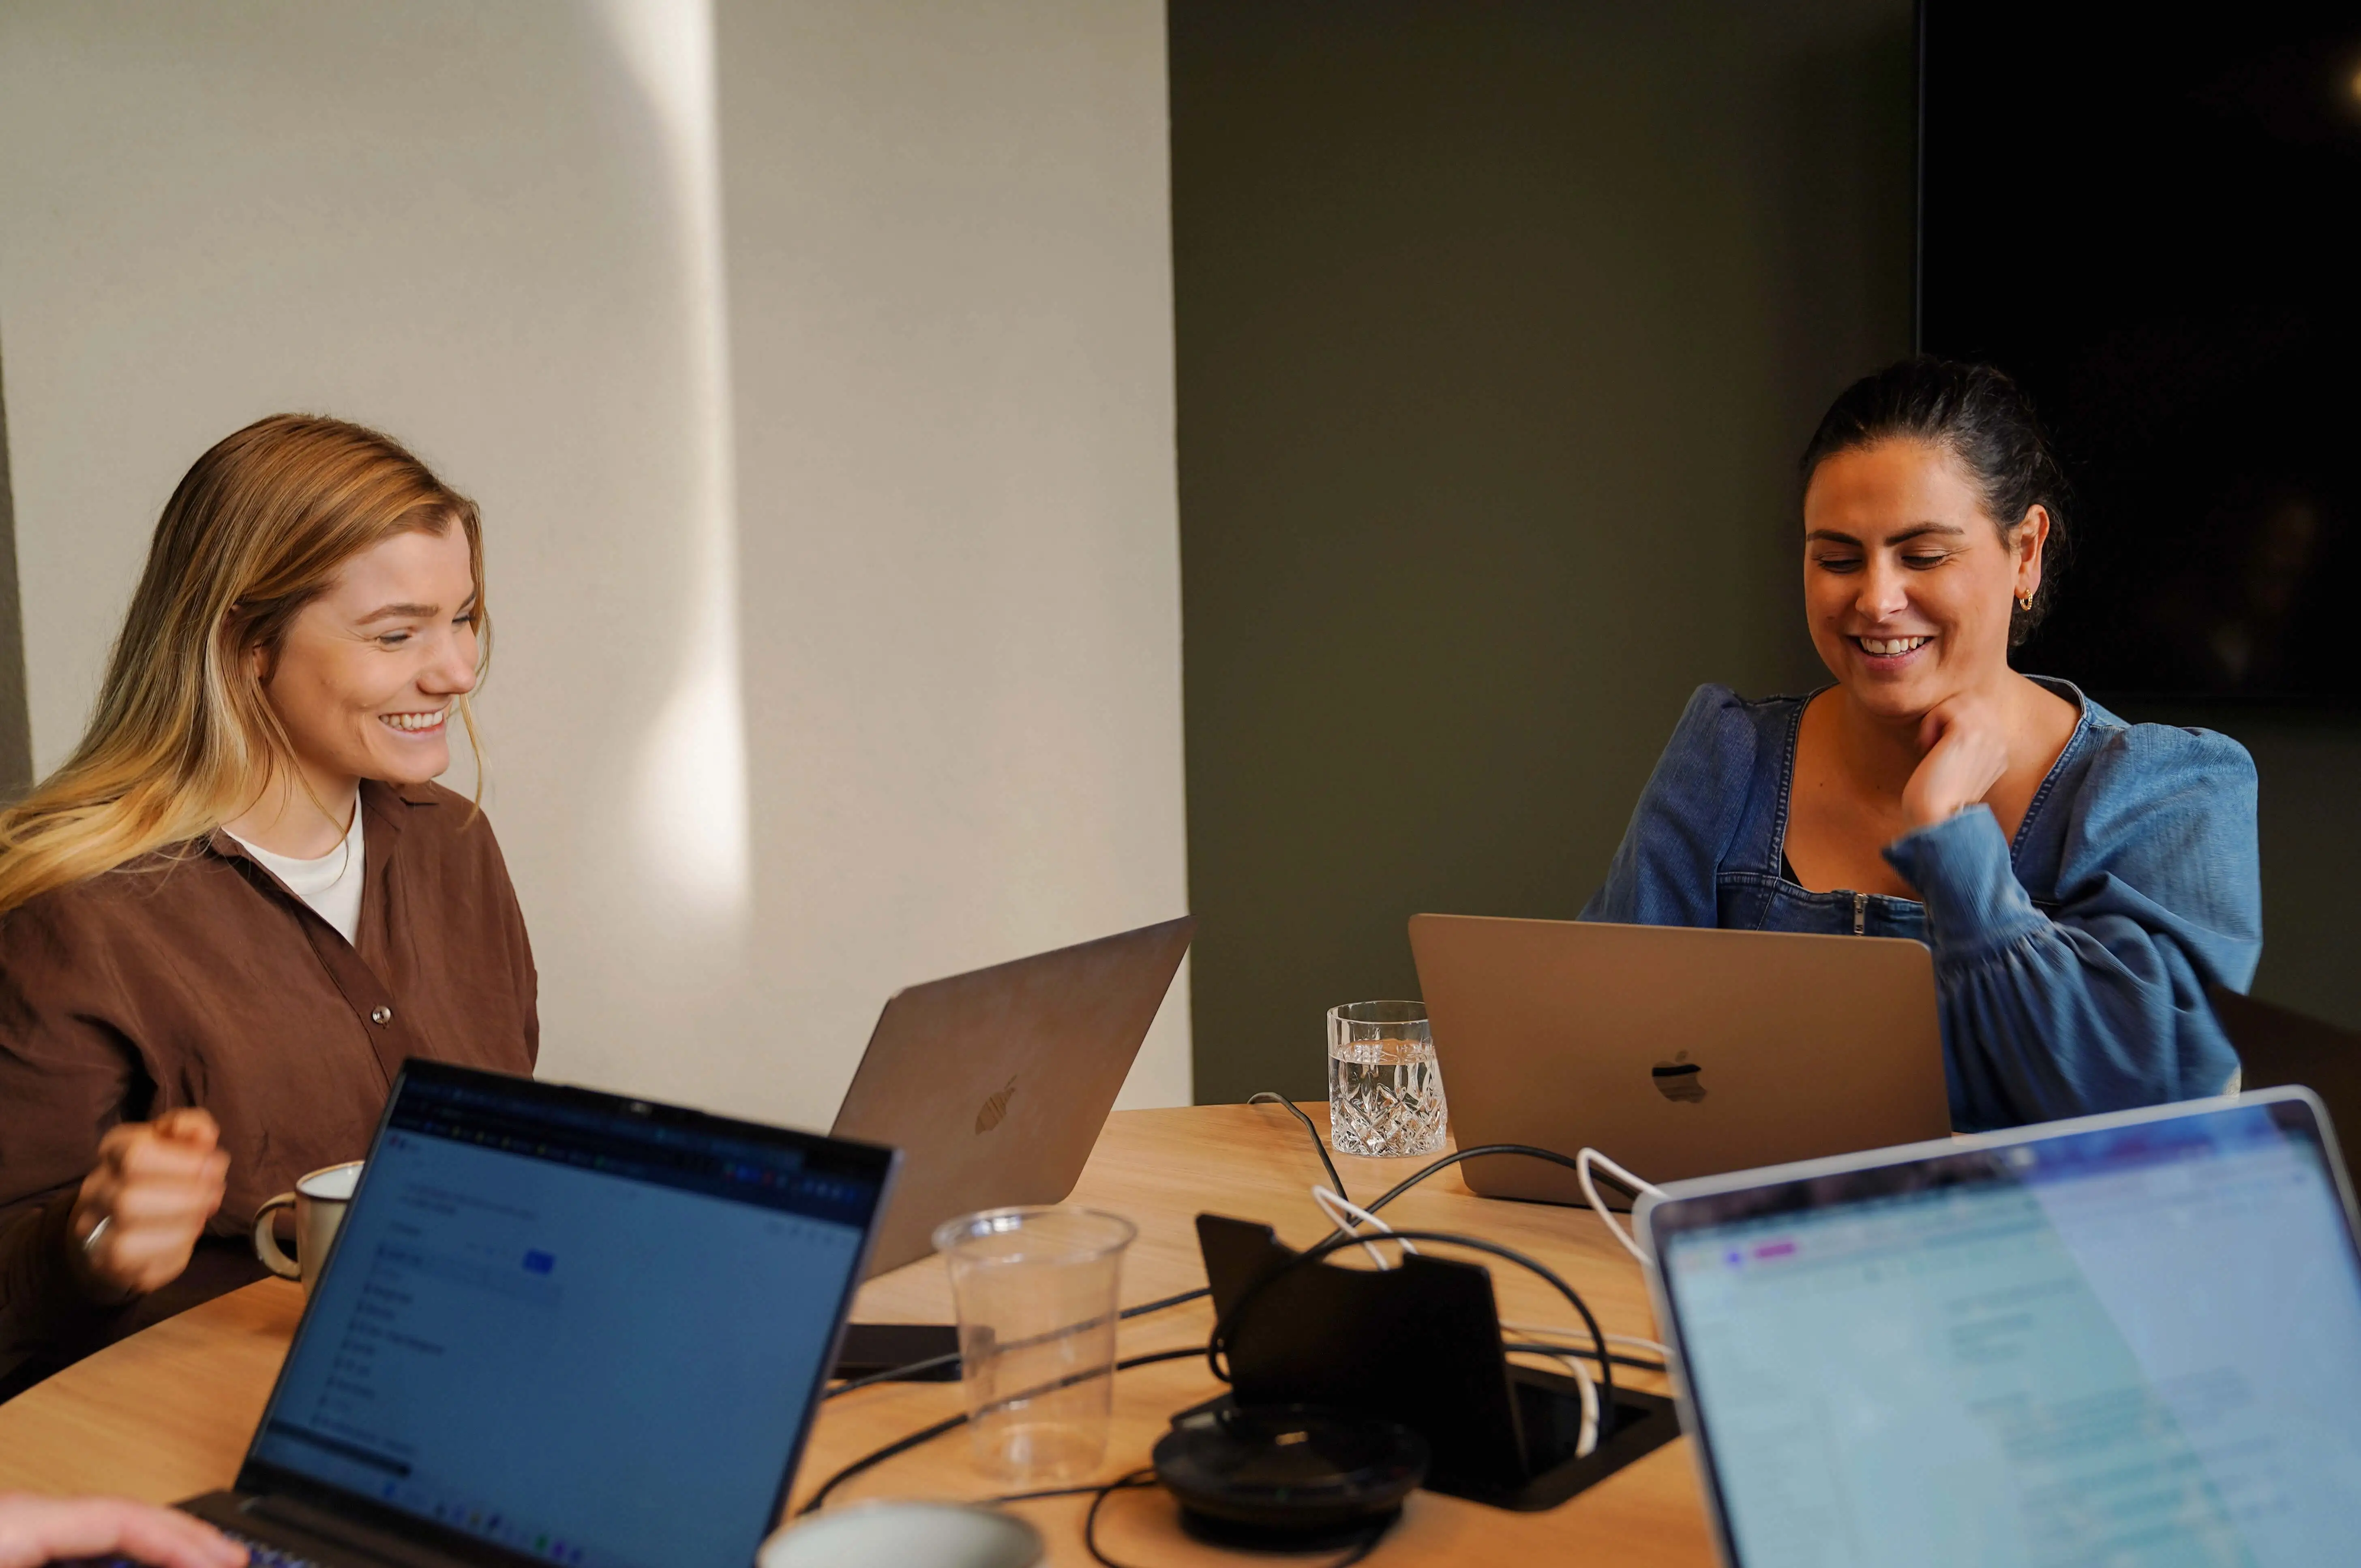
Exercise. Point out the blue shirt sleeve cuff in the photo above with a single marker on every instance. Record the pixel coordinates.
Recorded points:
(1960, 868)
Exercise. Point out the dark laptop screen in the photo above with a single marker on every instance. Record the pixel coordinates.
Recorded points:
(581, 1329)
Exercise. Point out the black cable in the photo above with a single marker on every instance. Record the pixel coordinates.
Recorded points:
(896, 1374)
(1163, 1301)
(1036, 1497)
(876, 1457)
(1217, 1347)
(1139, 1479)
(901, 1445)
(1319, 1144)
(893, 1374)
(1527, 1150)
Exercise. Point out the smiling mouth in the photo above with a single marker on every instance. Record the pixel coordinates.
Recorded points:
(415, 723)
(1891, 647)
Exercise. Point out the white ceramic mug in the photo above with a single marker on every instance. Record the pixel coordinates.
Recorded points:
(319, 1200)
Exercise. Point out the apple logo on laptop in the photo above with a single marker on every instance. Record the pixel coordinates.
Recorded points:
(1679, 1078)
(995, 1108)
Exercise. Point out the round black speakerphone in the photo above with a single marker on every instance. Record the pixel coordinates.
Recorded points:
(1287, 1476)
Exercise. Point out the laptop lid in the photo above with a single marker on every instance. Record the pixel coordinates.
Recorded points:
(1676, 1050)
(561, 1326)
(2134, 1339)
(994, 1084)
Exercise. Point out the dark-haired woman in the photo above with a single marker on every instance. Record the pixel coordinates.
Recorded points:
(2080, 879)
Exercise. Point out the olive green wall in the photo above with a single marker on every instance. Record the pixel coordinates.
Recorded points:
(1498, 327)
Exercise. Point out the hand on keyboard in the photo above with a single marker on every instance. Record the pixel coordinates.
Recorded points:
(265, 1556)
(36, 1530)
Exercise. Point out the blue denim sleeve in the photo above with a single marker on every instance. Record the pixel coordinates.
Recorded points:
(1663, 874)
(2102, 1004)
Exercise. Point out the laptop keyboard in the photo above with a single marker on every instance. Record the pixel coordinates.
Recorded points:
(260, 1554)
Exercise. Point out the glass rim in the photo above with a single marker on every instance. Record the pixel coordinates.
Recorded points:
(953, 1234)
(1410, 1013)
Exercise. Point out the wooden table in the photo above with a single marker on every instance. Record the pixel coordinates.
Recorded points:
(167, 1412)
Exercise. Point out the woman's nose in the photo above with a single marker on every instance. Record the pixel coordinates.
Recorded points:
(1883, 592)
(453, 671)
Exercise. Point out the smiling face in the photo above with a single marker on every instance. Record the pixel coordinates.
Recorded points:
(366, 675)
(1909, 581)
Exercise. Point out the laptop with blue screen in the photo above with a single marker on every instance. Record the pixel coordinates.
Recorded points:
(2130, 1340)
(559, 1327)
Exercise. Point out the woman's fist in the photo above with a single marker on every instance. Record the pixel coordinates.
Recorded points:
(140, 1212)
(1966, 743)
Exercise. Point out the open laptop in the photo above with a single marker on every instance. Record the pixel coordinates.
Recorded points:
(559, 1327)
(995, 1084)
(1676, 1051)
(2128, 1340)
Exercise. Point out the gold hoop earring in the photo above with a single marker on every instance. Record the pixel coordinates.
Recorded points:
(2024, 601)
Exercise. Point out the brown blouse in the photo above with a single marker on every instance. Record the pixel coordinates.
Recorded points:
(196, 978)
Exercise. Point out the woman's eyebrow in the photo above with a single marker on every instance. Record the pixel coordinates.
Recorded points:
(400, 612)
(1923, 529)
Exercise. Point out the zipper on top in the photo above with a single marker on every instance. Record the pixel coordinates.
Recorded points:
(1860, 912)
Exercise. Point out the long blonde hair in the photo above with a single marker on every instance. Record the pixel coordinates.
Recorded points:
(185, 738)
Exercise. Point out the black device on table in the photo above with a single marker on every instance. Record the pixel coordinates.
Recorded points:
(1420, 1345)
(559, 1327)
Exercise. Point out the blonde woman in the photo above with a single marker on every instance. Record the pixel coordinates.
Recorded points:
(243, 902)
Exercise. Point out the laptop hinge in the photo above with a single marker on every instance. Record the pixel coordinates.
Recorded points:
(337, 1531)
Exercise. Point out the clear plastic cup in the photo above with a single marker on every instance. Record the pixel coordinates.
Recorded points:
(1037, 1291)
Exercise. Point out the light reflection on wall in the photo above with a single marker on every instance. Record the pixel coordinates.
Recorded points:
(691, 806)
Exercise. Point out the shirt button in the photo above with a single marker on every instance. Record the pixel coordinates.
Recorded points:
(380, 1014)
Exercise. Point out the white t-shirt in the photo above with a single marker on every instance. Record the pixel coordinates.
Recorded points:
(331, 884)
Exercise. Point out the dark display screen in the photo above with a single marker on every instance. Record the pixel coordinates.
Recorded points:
(2152, 223)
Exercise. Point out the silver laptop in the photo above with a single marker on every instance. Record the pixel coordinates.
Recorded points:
(994, 1084)
(2132, 1341)
(1676, 1051)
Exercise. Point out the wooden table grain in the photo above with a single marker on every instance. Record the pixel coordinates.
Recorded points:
(167, 1412)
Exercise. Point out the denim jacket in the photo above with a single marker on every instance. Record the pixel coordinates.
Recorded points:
(2070, 964)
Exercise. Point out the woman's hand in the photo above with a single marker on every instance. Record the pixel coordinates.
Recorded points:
(156, 1185)
(34, 1531)
(1966, 740)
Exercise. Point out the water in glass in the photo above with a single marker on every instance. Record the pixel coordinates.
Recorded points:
(1385, 1097)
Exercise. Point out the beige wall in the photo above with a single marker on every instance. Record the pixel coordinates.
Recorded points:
(820, 414)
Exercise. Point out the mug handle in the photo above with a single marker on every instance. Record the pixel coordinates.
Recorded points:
(266, 1244)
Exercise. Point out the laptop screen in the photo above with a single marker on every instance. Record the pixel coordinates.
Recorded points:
(2140, 1344)
(580, 1327)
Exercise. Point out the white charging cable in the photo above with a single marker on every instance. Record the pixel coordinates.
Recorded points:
(1349, 1217)
(1582, 1163)
(1586, 1438)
